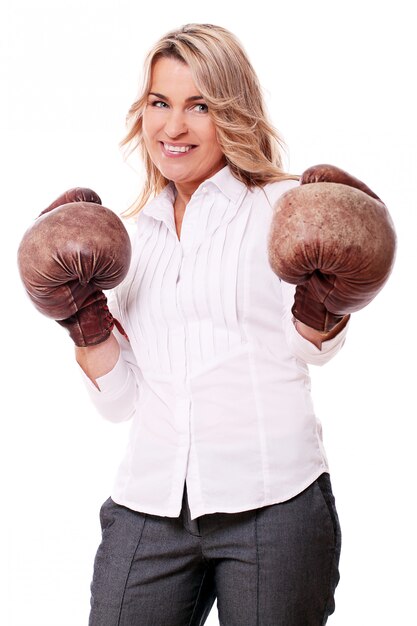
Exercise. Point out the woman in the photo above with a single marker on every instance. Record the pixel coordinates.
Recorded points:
(224, 491)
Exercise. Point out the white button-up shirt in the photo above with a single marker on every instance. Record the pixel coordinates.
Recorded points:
(214, 376)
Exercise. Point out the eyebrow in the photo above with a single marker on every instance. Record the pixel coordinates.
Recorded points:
(190, 99)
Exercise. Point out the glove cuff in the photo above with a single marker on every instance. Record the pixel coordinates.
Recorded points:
(312, 312)
(92, 324)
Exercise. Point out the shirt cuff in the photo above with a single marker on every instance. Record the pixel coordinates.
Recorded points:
(111, 382)
(309, 353)
(116, 393)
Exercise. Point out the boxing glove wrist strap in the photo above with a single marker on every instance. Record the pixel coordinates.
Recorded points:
(323, 335)
(91, 324)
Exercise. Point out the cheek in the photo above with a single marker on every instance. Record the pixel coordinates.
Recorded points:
(145, 131)
(149, 126)
(211, 140)
(217, 152)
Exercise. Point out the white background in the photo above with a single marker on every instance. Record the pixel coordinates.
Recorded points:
(340, 85)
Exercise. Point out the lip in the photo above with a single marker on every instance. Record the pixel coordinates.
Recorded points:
(177, 155)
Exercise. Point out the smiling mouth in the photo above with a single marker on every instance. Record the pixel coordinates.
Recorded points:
(172, 149)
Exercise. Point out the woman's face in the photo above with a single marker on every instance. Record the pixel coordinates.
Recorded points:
(178, 132)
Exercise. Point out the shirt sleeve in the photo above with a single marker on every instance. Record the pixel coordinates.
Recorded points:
(301, 347)
(118, 391)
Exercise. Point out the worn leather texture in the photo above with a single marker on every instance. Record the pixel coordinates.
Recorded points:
(336, 241)
(67, 258)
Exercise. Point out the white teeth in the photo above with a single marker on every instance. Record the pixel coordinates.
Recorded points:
(169, 148)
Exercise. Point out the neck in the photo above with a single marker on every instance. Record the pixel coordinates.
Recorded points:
(182, 198)
(184, 191)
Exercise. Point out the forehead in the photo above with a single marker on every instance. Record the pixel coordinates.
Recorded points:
(172, 77)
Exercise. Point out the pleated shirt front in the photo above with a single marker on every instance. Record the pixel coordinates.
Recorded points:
(214, 375)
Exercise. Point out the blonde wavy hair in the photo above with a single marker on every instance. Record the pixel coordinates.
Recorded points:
(227, 81)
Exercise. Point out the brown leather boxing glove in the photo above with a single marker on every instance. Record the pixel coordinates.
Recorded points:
(334, 238)
(74, 250)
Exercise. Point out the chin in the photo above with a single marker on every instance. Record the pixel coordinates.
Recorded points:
(182, 178)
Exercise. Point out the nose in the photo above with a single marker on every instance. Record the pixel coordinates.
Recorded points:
(175, 124)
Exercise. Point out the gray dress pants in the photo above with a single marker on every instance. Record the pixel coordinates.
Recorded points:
(272, 566)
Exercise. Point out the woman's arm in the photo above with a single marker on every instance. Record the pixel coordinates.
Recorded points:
(306, 343)
(317, 337)
(98, 360)
(111, 377)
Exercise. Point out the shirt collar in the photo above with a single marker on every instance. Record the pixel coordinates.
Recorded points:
(226, 183)
(162, 201)
(161, 207)
(223, 180)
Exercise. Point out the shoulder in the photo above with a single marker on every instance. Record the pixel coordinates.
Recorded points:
(273, 191)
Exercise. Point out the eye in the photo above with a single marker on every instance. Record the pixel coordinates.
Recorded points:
(201, 108)
(159, 104)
